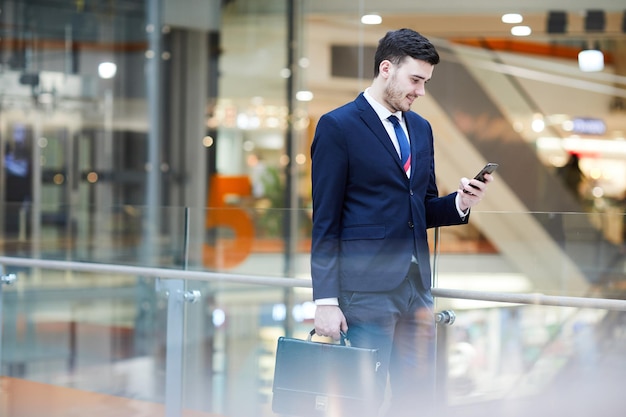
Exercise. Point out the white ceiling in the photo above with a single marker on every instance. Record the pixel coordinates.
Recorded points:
(480, 25)
(463, 7)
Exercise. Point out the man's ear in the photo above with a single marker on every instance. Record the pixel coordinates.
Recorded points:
(385, 68)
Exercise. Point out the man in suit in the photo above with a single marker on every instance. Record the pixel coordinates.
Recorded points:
(370, 256)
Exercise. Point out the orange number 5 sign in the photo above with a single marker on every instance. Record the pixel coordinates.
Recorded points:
(233, 227)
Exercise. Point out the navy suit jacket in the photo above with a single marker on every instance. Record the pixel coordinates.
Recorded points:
(368, 217)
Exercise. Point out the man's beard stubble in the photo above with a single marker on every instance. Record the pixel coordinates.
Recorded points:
(395, 97)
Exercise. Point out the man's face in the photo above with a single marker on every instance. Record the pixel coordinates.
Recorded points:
(405, 82)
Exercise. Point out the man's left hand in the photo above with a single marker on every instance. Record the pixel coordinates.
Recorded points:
(472, 191)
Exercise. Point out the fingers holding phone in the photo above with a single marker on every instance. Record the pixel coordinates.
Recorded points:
(472, 191)
(474, 187)
(476, 184)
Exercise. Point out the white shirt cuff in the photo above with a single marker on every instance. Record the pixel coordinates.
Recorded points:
(327, 302)
(457, 201)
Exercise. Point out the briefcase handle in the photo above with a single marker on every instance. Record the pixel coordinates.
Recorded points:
(344, 341)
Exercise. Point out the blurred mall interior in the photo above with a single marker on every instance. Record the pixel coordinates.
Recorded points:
(175, 134)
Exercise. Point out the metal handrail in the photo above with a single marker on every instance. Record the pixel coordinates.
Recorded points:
(165, 273)
(516, 298)
(532, 299)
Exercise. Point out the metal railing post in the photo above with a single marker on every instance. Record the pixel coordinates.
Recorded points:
(443, 320)
(5, 279)
(174, 348)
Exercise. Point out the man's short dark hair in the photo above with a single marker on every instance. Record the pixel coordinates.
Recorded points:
(399, 44)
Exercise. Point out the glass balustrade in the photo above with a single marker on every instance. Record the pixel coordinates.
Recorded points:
(205, 343)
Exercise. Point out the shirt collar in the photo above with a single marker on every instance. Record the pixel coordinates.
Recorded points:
(382, 111)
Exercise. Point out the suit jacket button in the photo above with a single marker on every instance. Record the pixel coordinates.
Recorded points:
(411, 192)
(411, 225)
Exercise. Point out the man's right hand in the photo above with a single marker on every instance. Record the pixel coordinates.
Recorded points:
(329, 320)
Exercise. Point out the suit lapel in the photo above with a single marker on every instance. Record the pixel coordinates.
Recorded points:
(371, 119)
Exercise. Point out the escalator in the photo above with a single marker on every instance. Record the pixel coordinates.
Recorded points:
(540, 226)
(476, 100)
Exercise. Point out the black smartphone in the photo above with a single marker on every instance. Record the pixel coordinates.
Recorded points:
(487, 169)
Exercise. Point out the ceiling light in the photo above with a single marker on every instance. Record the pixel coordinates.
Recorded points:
(521, 30)
(591, 60)
(304, 96)
(538, 125)
(107, 70)
(512, 18)
(371, 19)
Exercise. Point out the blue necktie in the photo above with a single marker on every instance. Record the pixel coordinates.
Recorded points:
(405, 151)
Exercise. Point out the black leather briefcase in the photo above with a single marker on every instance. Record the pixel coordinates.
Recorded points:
(324, 379)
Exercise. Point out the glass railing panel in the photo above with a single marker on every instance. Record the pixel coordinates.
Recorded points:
(231, 341)
(495, 353)
(510, 353)
(511, 358)
(554, 253)
(238, 238)
(92, 331)
(113, 334)
(252, 240)
(108, 332)
(550, 253)
(136, 235)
